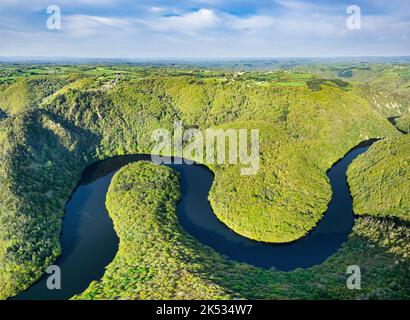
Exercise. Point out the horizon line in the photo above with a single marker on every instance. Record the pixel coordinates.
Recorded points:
(199, 58)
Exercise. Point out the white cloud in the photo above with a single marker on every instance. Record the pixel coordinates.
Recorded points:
(203, 20)
(252, 23)
(189, 23)
(157, 10)
(87, 25)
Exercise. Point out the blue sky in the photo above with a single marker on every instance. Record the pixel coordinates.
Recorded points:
(204, 28)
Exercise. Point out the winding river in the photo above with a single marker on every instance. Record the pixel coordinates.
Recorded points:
(89, 242)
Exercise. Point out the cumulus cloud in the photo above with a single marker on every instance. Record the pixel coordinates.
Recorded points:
(189, 23)
(203, 20)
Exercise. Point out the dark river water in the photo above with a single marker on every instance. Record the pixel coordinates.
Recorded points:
(89, 242)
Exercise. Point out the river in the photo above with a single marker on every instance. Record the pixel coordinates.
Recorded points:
(89, 242)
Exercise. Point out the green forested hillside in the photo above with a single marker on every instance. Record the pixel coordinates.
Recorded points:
(24, 93)
(403, 123)
(387, 103)
(384, 85)
(41, 163)
(380, 180)
(126, 115)
(393, 78)
(96, 113)
(156, 268)
(158, 260)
